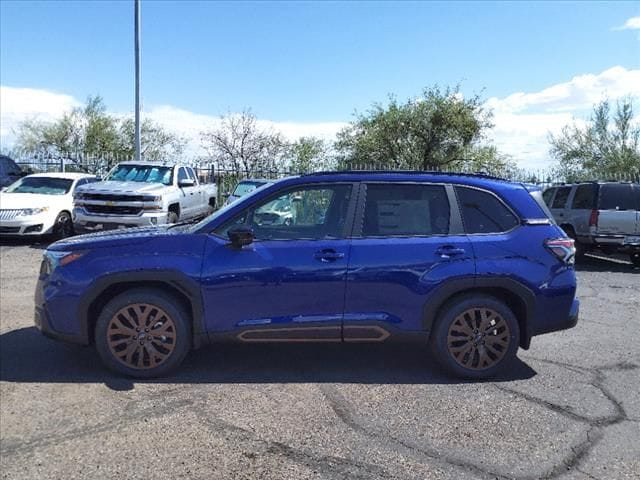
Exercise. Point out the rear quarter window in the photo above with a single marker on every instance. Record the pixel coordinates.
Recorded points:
(548, 195)
(617, 196)
(584, 198)
(561, 197)
(483, 212)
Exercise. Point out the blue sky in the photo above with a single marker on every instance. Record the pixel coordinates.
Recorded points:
(307, 61)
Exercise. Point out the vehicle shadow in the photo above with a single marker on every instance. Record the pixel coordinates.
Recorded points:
(39, 243)
(27, 356)
(601, 263)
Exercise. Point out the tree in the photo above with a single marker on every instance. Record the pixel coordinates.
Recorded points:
(156, 143)
(83, 130)
(307, 154)
(89, 131)
(435, 131)
(242, 147)
(488, 159)
(607, 146)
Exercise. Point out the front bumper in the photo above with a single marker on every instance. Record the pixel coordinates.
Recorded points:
(32, 225)
(42, 323)
(87, 222)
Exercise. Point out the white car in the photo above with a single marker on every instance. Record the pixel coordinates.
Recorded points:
(40, 204)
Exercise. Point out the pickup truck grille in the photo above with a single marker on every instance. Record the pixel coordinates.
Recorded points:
(113, 210)
(8, 214)
(113, 198)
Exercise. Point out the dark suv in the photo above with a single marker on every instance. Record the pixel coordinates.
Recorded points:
(469, 266)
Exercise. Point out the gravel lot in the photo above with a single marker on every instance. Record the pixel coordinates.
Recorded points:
(569, 409)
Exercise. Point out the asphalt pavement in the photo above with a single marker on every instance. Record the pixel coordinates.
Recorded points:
(570, 407)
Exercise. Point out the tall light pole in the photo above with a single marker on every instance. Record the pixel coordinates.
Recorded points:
(136, 8)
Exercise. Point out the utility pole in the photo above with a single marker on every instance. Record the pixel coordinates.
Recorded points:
(136, 8)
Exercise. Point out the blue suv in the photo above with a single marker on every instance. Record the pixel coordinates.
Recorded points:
(469, 266)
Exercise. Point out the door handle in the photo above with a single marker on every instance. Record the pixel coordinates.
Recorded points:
(448, 251)
(328, 255)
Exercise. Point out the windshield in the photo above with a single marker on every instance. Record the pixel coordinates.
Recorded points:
(142, 173)
(41, 185)
(245, 187)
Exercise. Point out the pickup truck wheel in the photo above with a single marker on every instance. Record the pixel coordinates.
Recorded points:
(143, 333)
(172, 217)
(475, 336)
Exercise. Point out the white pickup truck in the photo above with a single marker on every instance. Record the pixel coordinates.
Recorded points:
(135, 194)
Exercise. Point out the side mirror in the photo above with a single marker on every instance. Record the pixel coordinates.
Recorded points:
(240, 236)
(187, 182)
(226, 194)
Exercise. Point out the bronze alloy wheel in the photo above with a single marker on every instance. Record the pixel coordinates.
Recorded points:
(141, 336)
(478, 338)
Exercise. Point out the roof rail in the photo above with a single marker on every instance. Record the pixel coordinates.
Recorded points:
(423, 172)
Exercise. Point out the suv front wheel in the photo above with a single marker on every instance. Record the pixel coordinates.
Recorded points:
(143, 333)
(475, 336)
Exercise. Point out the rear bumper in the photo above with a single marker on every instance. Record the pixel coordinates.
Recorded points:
(564, 323)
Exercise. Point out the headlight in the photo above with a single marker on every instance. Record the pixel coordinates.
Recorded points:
(28, 212)
(60, 259)
(157, 199)
(78, 196)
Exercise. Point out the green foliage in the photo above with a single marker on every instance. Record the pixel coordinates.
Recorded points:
(307, 154)
(89, 131)
(608, 146)
(433, 132)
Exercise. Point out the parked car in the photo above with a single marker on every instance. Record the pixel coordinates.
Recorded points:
(40, 204)
(137, 194)
(277, 212)
(244, 187)
(9, 171)
(601, 216)
(470, 267)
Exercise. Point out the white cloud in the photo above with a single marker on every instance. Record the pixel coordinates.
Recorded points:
(18, 104)
(190, 125)
(522, 120)
(632, 23)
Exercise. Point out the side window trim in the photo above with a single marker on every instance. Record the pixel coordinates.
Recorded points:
(497, 197)
(362, 200)
(349, 217)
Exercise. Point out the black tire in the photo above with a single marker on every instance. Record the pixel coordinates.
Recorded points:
(172, 217)
(63, 227)
(473, 349)
(171, 320)
(635, 259)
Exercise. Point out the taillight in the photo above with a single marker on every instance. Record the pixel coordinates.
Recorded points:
(563, 248)
(593, 218)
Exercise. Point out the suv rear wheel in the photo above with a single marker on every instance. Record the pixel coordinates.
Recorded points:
(143, 333)
(475, 336)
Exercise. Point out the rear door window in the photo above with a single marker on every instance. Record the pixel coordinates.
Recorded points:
(483, 212)
(561, 197)
(393, 210)
(617, 196)
(584, 198)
